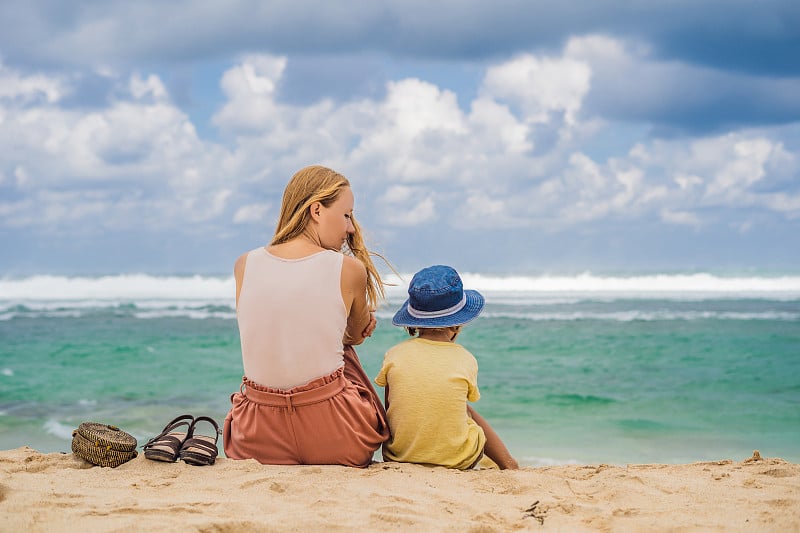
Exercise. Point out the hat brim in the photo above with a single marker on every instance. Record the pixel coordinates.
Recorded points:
(471, 309)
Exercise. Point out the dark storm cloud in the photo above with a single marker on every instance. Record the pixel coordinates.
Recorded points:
(745, 54)
(308, 78)
(686, 98)
(739, 35)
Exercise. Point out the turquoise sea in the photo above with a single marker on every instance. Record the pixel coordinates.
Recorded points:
(666, 368)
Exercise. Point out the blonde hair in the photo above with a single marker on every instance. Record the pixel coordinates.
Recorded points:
(320, 184)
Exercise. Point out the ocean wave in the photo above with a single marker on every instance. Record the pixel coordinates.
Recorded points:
(128, 287)
(577, 400)
(530, 460)
(185, 313)
(148, 309)
(646, 316)
(57, 429)
(542, 288)
(653, 283)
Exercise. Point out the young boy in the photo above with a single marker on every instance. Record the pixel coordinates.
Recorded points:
(428, 379)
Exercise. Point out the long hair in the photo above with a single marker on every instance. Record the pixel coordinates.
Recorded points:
(321, 184)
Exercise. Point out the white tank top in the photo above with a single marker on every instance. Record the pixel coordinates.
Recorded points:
(291, 318)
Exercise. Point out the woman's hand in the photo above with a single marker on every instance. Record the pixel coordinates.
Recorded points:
(373, 323)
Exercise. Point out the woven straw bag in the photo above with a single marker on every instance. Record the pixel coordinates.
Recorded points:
(103, 445)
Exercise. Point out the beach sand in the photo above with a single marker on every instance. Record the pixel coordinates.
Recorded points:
(59, 492)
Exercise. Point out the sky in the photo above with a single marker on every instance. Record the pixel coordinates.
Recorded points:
(500, 137)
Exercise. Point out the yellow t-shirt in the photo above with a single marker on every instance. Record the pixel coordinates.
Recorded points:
(430, 383)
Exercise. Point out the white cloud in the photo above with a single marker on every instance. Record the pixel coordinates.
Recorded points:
(108, 164)
(414, 107)
(413, 133)
(687, 181)
(481, 210)
(397, 194)
(420, 212)
(250, 89)
(784, 203)
(21, 177)
(586, 190)
(729, 171)
(512, 157)
(603, 49)
(498, 128)
(540, 85)
(683, 218)
(30, 88)
(407, 206)
(744, 167)
(251, 213)
(151, 86)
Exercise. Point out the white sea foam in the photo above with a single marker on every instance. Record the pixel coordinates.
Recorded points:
(646, 316)
(546, 461)
(7, 372)
(588, 283)
(555, 289)
(56, 428)
(186, 313)
(126, 287)
(50, 293)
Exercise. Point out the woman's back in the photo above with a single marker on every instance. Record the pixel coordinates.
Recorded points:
(291, 317)
(301, 305)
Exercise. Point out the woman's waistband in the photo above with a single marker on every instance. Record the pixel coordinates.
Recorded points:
(307, 395)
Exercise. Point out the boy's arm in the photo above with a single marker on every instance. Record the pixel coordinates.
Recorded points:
(494, 448)
(386, 406)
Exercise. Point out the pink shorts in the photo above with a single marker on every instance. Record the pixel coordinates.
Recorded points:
(335, 419)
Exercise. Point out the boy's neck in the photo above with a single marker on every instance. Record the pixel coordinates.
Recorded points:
(439, 334)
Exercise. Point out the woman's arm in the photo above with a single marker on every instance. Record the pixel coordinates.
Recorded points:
(360, 320)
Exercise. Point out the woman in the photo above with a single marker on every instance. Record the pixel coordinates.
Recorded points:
(301, 303)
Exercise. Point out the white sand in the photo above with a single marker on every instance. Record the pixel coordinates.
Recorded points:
(58, 492)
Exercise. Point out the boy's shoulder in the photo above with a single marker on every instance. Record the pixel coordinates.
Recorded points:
(403, 345)
(416, 344)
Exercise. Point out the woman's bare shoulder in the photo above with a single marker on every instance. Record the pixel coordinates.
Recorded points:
(353, 266)
(238, 274)
(238, 267)
(354, 273)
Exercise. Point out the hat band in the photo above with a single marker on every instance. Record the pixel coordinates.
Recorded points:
(416, 313)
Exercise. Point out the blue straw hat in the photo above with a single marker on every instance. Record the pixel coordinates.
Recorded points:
(437, 299)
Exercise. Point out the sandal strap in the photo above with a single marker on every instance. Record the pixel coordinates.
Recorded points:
(198, 443)
(210, 421)
(204, 449)
(170, 441)
(174, 443)
(178, 421)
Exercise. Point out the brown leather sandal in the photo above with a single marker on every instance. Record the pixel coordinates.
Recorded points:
(200, 450)
(166, 445)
